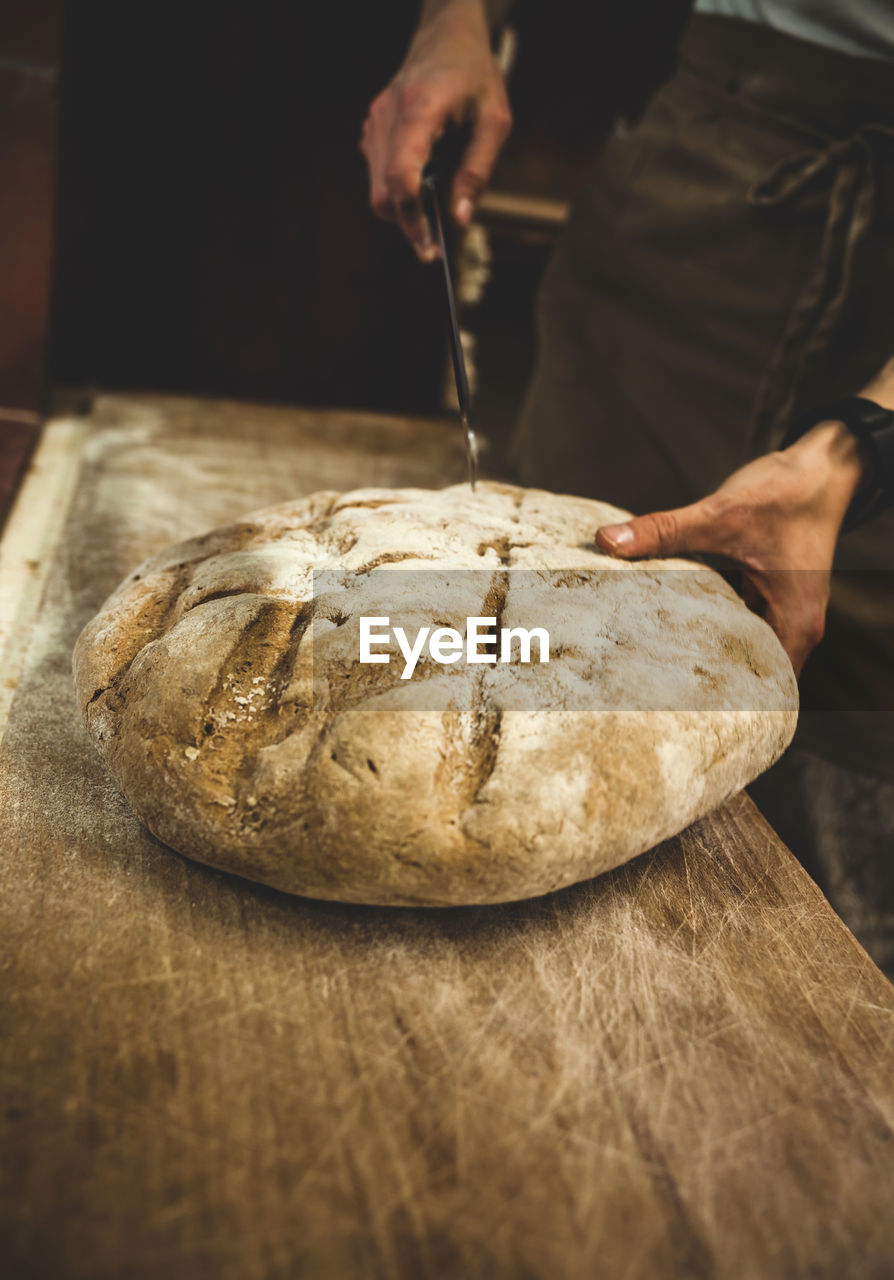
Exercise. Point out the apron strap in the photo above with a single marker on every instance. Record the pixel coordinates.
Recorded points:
(847, 169)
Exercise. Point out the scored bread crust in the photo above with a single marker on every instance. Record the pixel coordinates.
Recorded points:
(228, 704)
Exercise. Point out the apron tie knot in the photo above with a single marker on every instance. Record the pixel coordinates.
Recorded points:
(842, 172)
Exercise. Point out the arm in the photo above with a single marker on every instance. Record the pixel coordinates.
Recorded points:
(449, 72)
(778, 518)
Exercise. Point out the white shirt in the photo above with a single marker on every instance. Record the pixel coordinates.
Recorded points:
(862, 27)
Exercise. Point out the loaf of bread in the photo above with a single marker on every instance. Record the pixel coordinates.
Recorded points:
(222, 684)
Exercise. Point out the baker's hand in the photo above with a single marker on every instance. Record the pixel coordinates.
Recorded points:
(778, 518)
(449, 74)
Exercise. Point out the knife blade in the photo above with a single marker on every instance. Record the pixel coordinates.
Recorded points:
(432, 205)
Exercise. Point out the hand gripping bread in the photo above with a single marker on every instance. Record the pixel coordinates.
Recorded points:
(226, 696)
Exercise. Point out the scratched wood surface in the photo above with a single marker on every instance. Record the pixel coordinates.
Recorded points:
(682, 1068)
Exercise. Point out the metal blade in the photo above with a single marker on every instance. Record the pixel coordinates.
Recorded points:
(456, 349)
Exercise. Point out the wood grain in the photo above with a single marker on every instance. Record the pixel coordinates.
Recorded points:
(678, 1069)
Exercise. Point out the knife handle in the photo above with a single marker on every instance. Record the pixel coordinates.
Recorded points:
(446, 156)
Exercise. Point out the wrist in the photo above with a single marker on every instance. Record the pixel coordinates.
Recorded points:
(837, 457)
(863, 466)
(443, 23)
(490, 13)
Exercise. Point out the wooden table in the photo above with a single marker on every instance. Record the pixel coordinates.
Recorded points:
(680, 1069)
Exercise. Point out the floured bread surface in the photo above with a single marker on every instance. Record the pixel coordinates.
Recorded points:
(229, 705)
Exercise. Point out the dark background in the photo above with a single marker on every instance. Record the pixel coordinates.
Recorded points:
(192, 173)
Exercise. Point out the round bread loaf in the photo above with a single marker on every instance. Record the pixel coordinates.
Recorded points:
(222, 685)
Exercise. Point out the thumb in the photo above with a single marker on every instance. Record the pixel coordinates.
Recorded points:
(662, 533)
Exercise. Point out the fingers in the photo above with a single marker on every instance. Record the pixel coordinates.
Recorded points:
(760, 519)
(662, 533)
(406, 119)
(410, 217)
(793, 601)
(398, 134)
(420, 119)
(493, 124)
(372, 138)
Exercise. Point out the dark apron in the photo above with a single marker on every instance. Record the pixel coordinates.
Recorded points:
(731, 263)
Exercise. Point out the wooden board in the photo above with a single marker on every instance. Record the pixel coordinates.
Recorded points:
(682, 1068)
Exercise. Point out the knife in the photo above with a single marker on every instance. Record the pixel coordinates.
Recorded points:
(432, 205)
